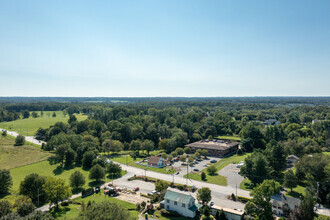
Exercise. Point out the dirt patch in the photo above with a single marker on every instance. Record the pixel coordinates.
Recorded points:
(132, 198)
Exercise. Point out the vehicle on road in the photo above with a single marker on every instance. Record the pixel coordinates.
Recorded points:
(152, 193)
(212, 203)
(205, 165)
(177, 173)
(196, 170)
(136, 189)
(213, 161)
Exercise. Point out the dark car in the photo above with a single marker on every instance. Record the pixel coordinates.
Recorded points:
(213, 161)
(196, 170)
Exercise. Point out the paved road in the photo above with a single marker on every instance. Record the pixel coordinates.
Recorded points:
(231, 174)
(27, 138)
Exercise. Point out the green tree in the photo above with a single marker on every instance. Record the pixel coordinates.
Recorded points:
(35, 115)
(290, 180)
(183, 158)
(32, 186)
(72, 119)
(70, 156)
(308, 204)
(4, 133)
(204, 195)
(116, 146)
(105, 210)
(25, 114)
(54, 114)
(179, 151)
(190, 159)
(88, 158)
(60, 152)
(77, 180)
(36, 215)
(220, 215)
(203, 176)
(187, 150)
(56, 190)
(97, 173)
(5, 208)
(204, 153)
(277, 157)
(20, 140)
(212, 170)
(253, 132)
(114, 169)
(25, 209)
(174, 154)
(6, 181)
(161, 185)
(260, 205)
(148, 145)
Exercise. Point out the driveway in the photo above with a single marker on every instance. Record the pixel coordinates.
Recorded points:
(231, 174)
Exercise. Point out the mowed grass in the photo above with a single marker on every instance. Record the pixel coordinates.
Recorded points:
(29, 126)
(220, 164)
(15, 156)
(73, 210)
(45, 168)
(229, 137)
(126, 159)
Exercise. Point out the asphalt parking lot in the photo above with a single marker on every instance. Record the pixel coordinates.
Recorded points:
(231, 173)
(199, 166)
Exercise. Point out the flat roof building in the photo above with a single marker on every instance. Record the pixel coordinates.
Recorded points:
(215, 147)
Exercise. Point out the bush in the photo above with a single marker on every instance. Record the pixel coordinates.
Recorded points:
(25, 209)
(20, 140)
(87, 192)
(203, 176)
(65, 203)
(4, 133)
(169, 213)
(243, 199)
(212, 170)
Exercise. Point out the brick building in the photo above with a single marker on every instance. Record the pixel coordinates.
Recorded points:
(215, 147)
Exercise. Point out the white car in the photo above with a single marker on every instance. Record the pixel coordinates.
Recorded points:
(240, 164)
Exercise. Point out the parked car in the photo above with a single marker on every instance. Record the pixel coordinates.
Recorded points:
(136, 189)
(212, 203)
(152, 193)
(240, 164)
(213, 161)
(177, 173)
(196, 170)
(205, 165)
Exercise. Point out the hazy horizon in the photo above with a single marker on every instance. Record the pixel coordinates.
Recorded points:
(164, 48)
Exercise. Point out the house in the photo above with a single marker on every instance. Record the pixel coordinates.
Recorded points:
(155, 161)
(293, 158)
(271, 122)
(282, 204)
(231, 214)
(180, 202)
(215, 147)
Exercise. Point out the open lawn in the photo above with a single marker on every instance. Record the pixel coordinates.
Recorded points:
(228, 137)
(29, 126)
(218, 179)
(45, 168)
(15, 156)
(73, 210)
(131, 162)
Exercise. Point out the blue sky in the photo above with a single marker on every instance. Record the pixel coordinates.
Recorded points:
(164, 48)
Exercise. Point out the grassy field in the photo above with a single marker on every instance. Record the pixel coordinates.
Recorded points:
(228, 137)
(15, 156)
(45, 168)
(217, 179)
(73, 210)
(131, 162)
(29, 126)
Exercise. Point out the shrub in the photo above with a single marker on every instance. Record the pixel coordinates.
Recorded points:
(65, 203)
(25, 209)
(87, 192)
(212, 170)
(20, 140)
(203, 176)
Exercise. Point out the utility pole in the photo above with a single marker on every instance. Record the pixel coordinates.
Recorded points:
(236, 190)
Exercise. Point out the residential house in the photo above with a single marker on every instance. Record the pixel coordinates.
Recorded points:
(231, 214)
(293, 158)
(155, 161)
(282, 204)
(180, 202)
